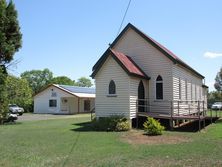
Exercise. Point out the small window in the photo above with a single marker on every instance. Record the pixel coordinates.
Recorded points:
(86, 105)
(191, 91)
(200, 93)
(159, 87)
(195, 92)
(180, 93)
(112, 87)
(52, 103)
(54, 94)
(186, 92)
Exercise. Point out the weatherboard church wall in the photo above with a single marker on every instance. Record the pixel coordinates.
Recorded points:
(152, 62)
(119, 105)
(149, 59)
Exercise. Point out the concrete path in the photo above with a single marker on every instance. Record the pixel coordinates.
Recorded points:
(36, 117)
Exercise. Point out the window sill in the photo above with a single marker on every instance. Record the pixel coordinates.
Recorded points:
(157, 100)
(111, 95)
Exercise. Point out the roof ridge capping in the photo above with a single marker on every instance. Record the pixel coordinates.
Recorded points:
(61, 85)
(157, 45)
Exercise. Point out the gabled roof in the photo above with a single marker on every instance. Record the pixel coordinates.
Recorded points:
(155, 44)
(128, 65)
(81, 92)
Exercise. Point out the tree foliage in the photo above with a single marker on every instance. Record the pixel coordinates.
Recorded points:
(218, 81)
(213, 97)
(10, 42)
(62, 80)
(3, 95)
(10, 35)
(84, 82)
(19, 92)
(38, 79)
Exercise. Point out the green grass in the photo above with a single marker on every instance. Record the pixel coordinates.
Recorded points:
(70, 142)
(214, 113)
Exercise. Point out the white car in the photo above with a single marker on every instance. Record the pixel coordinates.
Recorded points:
(14, 109)
(217, 106)
(10, 118)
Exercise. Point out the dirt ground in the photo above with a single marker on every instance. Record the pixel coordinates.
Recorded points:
(138, 137)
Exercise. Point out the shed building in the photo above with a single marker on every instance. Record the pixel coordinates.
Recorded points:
(64, 99)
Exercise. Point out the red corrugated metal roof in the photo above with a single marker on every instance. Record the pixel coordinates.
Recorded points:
(128, 63)
(163, 49)
(154, 43)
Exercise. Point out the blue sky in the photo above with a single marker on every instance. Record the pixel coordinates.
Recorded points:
(69, 36)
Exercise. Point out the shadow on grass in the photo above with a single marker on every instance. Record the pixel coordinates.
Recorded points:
(83, 127)
(12, 123)
(87, 127)
(190, 127)
(219, 121)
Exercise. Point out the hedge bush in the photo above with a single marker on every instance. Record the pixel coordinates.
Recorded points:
(153, 127)
(113, 123)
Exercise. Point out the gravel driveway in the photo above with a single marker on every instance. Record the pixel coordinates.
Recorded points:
(36, 117)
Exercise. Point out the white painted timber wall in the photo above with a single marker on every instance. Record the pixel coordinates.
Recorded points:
(153, 63)
(66, 103)
(41, 102)
(106, 106)
(187, 87)
(69, 107)
(185, 77)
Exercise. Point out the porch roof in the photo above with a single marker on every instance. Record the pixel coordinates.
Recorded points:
(128, 65)
(81, 92)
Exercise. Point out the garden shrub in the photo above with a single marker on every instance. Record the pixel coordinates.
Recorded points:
(153, 127)
(123, 126)
(113, 123)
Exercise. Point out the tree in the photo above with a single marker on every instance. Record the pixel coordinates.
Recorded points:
(62, 80)
(10, 42)
(38, 79)
(218, 81)
(10, 35)
(213, 97)
(3, 95)
(19, 92)
(84, 82)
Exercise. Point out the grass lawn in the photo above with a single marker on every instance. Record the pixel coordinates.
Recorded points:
(214, 113)
(71, 142)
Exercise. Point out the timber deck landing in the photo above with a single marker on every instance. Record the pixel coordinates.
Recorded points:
(201, 117)
(167, 116)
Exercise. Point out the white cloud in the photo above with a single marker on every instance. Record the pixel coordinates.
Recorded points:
(212, 55)
(211, 86)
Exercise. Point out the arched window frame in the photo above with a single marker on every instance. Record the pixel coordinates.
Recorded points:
(159, 87)
(141, 100)
(112, 88)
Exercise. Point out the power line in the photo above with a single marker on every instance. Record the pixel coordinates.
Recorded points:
(123, 18)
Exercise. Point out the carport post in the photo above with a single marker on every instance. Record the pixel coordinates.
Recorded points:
(78, 105)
